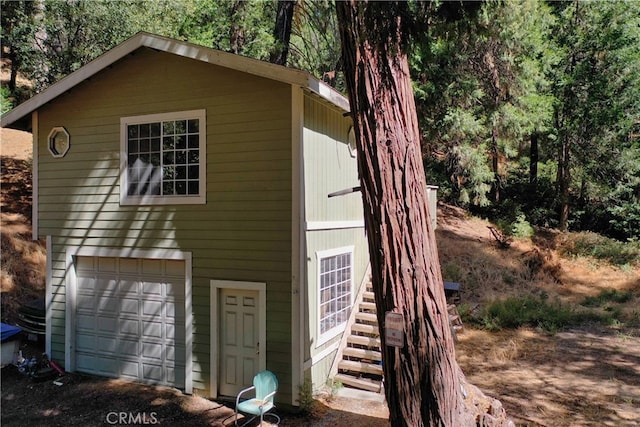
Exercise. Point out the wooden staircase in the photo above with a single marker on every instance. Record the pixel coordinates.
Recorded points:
(358, 363)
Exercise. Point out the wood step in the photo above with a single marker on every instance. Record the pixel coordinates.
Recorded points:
(365, 329)
(367, 295)
(362, 367)
(454, 318)
(362, 353)
(367, 317)
(361, 383)
(369, 306)
(365, 341)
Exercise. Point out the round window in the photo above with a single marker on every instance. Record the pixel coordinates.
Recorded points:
(353, 148)
(59, 142)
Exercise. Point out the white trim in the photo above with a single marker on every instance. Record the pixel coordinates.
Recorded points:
(351, 143)
(185, 50)
(216, 286)
(34, 177)
(321, 355)
(71, 289)
(328, 93)
(333, 225)
(50, 145)
(188, 322)
(201, 198)
(48, 295)
(298, 247)
(322, 338)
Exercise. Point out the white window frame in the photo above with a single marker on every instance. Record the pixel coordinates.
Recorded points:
(338, 329)
(200, 198)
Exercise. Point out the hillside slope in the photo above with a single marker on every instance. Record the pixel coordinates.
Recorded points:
(585, 376)
(469, 254)
(22, 260)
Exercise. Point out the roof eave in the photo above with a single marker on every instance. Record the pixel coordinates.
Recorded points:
(73, 79)
(184, 49)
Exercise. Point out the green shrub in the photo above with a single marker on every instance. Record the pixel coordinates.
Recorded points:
(588, 244)
(305, 396)
(538, 312)
(510, 219)
(527, 311)
(608, 296)
(521, 227)
(5, 102)
(452, 272)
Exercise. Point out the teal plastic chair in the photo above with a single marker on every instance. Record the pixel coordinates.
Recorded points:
(265, 385)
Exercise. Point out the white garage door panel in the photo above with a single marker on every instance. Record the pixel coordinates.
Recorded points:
(85, 303)
(106, 324)
(152, 372)
(128, 347)
(85, 342)
(128, 288)
(127, 315)
(128, 327)
(153, 351)
(129, 306)
(85, 322)
(129, 369)
(152, 308)
(107, 344)
(152, 330)
(108, 305)
(153, 290)
(170, 331)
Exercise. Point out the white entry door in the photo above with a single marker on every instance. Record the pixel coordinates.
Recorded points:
(239, 334)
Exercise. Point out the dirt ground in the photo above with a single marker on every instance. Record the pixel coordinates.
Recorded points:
(85, 400)
(583, 377)
(588, 376)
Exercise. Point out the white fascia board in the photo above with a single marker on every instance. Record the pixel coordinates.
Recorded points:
(183, 49)
(68, 82)
(328, 93)
(225, 59)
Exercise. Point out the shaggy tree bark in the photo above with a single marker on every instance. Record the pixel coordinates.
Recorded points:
(423, 383)
(534, 155)
(282, 32)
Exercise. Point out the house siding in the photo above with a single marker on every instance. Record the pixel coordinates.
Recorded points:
(243, 232)
(328, 167)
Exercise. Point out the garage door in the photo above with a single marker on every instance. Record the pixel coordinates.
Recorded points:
(129, 319)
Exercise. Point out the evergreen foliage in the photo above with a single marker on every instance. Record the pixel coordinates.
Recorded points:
(5, 102)
(524, 106)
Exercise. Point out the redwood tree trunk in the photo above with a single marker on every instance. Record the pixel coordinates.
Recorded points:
(533, 163)
(564, 181)
(421, 379)
(495, 164)
(282, 32)
(237, 29)
(423, 384)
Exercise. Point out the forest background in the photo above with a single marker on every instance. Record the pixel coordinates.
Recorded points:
(529, 110)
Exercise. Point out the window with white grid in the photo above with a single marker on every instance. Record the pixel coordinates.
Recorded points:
(163, 158)
(335, 283)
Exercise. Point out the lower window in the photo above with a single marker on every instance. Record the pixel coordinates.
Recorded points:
(335, 280)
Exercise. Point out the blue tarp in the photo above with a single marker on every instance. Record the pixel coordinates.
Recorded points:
(8, 332)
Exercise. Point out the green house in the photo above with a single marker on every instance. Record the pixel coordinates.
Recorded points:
(183, 195)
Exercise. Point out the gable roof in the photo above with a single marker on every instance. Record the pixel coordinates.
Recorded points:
(183, 49)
